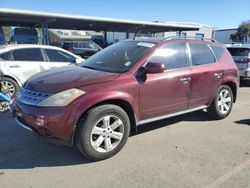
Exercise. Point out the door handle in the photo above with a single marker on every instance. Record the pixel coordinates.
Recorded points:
(185, 80)
(218, 74)
(15, 66)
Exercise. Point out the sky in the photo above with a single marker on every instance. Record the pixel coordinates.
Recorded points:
(223, 14)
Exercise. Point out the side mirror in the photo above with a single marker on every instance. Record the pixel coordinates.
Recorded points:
(153, 68)
(79, 60)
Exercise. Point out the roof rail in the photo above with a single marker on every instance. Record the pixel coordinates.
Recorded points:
(188, 37)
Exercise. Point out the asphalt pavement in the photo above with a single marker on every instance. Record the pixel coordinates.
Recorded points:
(186, 151)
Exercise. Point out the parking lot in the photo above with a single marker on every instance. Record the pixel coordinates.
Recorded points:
(185, 151)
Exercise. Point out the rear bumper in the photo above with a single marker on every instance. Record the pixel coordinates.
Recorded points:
(245, 74)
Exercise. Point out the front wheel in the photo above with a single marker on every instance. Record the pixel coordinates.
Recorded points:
(222, 103)
(11, 85)
(102, 132)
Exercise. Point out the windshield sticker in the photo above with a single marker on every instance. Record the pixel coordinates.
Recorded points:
(146, 44)
(127, 63)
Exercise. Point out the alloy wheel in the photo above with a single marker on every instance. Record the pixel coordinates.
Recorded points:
(10, 86)
(107, 133)
(224, 101)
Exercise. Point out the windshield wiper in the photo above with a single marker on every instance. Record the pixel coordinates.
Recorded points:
(88, 67)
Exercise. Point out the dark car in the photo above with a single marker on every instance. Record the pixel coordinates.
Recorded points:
(23, 36)
(2, 37)
(85, 49)
(97, 104)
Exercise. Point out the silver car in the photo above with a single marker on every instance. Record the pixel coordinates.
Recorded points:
(241, 56)
(20, 62)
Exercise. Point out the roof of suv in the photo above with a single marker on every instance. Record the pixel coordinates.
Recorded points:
(161, 39)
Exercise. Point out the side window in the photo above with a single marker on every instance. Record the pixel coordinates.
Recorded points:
(5, 56)
(28, 54)
(59, 56)
(218, 51)
(173, 56)
(201, 54)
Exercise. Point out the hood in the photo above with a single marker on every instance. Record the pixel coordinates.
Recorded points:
(60, 79)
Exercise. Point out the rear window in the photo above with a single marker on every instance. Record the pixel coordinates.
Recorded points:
(218, 51)
(25, 32)
(239, 51)
(5, 56)
(85, 44)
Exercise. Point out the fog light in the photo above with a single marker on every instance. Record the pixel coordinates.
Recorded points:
(40, 121)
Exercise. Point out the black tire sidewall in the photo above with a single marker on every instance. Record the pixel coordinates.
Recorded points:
(87, 124)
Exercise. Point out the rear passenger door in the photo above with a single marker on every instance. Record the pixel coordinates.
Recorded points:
(206, 74)
(23, 63)
(58, 58)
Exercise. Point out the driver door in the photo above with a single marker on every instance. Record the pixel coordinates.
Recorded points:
(167, 92)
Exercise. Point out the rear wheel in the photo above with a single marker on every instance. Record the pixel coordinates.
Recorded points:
(222, 103)
(11, 85)
(102, 132)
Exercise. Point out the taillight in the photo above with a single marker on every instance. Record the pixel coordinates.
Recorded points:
(244, 60)
(70, 49)
(14, 41)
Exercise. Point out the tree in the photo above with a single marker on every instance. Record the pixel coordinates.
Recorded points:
(6, 30)
(242, 32)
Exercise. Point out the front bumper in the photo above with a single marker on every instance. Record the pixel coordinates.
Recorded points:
(54, 124)
(47, 139)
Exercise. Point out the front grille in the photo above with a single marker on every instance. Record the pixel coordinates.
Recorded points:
(31, 97)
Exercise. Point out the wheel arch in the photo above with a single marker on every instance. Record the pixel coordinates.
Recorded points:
(233, 88)
(125, 105)
(10, 77)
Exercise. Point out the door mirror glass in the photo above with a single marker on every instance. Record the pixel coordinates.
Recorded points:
(153, 68)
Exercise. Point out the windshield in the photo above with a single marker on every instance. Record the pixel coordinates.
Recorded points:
(118, 57)
(85, 45)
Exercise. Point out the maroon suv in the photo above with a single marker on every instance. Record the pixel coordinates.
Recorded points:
(96, 104)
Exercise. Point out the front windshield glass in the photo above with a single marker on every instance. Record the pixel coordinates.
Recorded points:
(119, 57)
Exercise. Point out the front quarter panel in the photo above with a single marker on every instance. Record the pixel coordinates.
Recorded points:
(125, 89)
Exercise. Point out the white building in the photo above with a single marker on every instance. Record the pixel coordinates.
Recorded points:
(205, 31)
(224, 35)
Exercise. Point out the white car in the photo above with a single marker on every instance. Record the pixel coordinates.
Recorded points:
(20, 62)
(241, 56)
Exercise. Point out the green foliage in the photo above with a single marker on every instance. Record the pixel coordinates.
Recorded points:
(242, 33)
(6, 30)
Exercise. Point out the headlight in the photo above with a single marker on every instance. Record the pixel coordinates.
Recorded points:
(62, 99)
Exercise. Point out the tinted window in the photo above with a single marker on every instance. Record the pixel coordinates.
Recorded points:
(85, 44)
(218, 51)
(201, 54)
(173, 56)
(239, 51)
(5, 56)
(28, 54)
(59, 56)
(118, 57)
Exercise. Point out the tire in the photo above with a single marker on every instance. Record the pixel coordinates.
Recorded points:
(11, 85)
(222, 103)
(102, 132)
